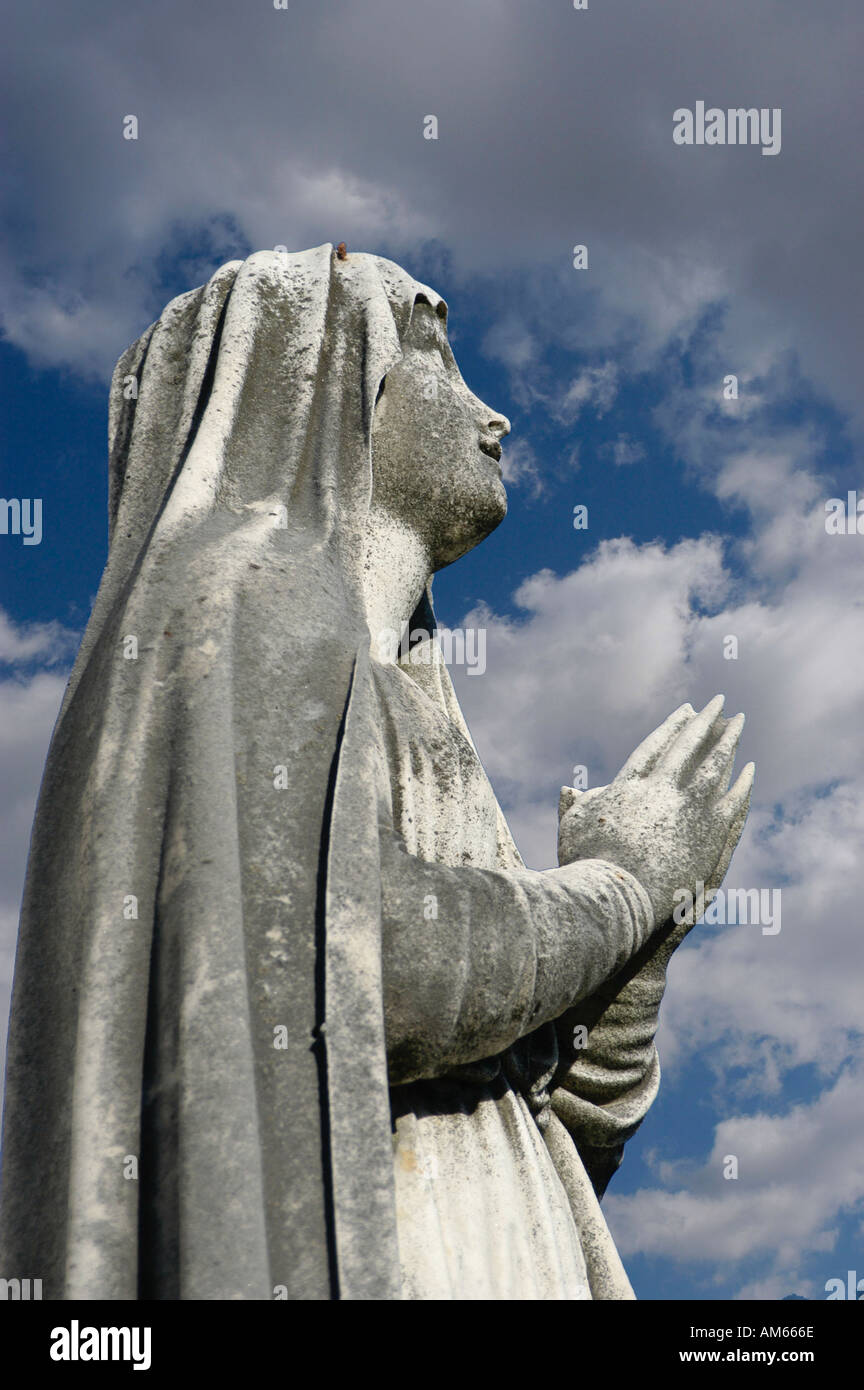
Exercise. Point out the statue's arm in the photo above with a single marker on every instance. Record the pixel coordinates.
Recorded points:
(474, 959)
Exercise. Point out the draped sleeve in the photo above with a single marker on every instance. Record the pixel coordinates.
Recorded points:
(603, 1089)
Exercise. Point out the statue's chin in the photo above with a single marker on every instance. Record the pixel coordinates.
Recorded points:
(498, 508)
(472, 525)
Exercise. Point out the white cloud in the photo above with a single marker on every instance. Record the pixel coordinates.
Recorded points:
(587, 672)
(46, 643)
(510, 342)
(763, 1003)
(521, 467)
(596, 387)
(798, 1173)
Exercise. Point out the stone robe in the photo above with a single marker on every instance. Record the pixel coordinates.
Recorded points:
(492, 1198)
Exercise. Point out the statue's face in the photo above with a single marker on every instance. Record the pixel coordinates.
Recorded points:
(435, 446)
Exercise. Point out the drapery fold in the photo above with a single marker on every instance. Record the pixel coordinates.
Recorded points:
(172, 959)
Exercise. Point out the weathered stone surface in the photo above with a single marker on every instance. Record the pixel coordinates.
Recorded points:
(279, 954)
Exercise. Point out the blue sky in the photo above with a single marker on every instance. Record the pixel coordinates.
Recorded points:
(706, 516)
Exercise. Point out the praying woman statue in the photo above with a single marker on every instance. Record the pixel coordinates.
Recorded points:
(291, 1018)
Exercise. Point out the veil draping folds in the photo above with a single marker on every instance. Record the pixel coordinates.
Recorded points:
(198, 980)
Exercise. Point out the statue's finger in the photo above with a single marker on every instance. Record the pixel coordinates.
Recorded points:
(643, 758)
(718, 873)
(715, 769)
(735, 804)
(689, 744)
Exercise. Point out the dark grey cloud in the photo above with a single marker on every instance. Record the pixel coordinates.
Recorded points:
(555, 128)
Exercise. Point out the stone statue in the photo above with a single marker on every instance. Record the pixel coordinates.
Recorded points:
(291, 1018)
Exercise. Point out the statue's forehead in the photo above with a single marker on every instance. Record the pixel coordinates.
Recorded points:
(367, 274)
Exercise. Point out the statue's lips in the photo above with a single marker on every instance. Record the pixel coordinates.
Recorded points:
(493, 449)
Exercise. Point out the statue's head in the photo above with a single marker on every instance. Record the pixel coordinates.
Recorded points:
(435, 445)
(285, 396)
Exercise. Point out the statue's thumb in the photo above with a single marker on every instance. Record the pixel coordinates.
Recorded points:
(569, 796)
